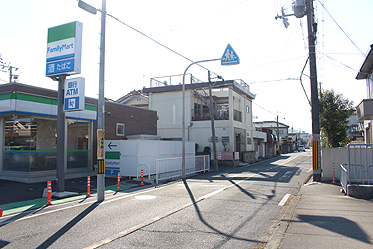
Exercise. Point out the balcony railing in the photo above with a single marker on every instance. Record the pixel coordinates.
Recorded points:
(204, 114)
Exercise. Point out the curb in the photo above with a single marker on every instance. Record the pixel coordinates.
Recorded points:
(24, 206)
(281, 227)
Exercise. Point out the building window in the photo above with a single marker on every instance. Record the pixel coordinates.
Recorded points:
(247, 109)
(120, 129)
(30, 144)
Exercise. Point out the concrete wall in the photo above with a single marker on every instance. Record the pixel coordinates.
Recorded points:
(328, 156)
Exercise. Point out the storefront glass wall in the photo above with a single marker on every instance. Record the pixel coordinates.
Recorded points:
(30, 144)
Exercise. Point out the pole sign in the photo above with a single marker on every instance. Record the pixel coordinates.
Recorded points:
(112, 157)
(230, 57)
(74, 99)
(101, 144)
(64, 49)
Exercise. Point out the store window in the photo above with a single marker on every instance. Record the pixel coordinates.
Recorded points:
(30, 144)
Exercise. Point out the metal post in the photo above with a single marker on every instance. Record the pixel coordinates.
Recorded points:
(101, 105)
(10, 74)
(61, 128)
(183, 118)
(212, 117)
(278, 136)
(314, 93)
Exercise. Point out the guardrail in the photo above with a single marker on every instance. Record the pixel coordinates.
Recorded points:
(343, 177)
(360, 161)
(170, 168)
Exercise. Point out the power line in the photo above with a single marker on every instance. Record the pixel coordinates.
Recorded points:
(341, 63)
(267, 81)
(341, 28)
(152, 39)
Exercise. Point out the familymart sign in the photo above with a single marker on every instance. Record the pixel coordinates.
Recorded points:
(64, 49)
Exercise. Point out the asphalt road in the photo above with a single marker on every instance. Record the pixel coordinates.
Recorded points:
(234, 208)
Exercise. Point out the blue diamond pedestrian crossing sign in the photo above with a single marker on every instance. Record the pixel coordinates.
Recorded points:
(230, 57)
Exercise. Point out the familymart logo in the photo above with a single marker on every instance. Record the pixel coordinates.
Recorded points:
(64, 49)
(60, 50)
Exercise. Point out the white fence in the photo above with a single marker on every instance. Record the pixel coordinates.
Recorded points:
(360, 161)
(169, 168)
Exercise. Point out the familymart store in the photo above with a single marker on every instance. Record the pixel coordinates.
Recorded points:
(28, 121)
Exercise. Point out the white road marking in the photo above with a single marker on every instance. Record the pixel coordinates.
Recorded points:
(145, 197)
(284, 200)
(157, 218)
(287, 174)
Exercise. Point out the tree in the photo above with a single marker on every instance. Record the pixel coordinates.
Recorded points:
(334, 113)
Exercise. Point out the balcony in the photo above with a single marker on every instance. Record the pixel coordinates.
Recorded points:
(204, 114)
(365, 110)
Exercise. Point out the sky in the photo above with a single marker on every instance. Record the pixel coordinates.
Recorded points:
(271, 56)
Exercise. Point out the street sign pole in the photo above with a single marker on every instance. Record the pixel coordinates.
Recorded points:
(61, 128)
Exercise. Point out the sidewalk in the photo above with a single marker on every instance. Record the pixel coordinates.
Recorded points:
(18, 197)
(320, 216)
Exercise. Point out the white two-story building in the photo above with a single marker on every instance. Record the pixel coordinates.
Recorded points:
(232, 108)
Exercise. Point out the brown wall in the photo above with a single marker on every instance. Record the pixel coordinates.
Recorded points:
(136, 121)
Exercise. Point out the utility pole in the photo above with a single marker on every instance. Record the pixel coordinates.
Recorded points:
(312, 29)
(101, 110)
(10, 74)
(212, 117)
(278, 135)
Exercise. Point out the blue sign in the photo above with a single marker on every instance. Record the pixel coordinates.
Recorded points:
(71, 104)
(111, 170)
(60, 67)
(230, 57)
(74, 99)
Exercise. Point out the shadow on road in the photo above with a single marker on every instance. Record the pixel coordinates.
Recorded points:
(227, 236)
(68, 226)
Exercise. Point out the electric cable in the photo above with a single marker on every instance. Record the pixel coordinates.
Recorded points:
(341, 28)
(152, 39)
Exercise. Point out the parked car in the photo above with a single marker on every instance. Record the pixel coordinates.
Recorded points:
(301, 148)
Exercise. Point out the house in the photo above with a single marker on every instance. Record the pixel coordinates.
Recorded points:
(232, 112)
(28, 124)
(276, 127)
(365, 108)
(135, 98)
(355, 128)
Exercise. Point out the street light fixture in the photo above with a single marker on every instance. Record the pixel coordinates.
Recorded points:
(101, 100)
(183, 118)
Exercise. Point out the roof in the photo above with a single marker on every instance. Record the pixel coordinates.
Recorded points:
(237, 86)
(367, 66)
(130, 95)
(270, 124)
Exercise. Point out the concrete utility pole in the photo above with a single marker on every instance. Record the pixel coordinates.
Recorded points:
(101, 108)
(101, 102)
(312, 29)
(278, 135)
(212, 117)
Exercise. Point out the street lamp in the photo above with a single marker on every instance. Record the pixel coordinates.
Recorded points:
(101, 100)
(183, 118)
